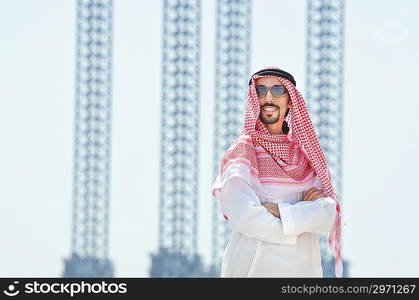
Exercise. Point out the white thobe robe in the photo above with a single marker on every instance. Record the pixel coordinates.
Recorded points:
(262, 245)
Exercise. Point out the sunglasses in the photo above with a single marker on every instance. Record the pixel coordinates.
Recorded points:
(276, 91)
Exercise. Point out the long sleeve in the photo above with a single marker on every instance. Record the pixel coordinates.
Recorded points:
(248, 217)
(308, 216)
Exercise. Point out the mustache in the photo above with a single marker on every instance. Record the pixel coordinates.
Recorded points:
(269, 104)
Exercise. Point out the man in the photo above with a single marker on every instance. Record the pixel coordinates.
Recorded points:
(274, 187)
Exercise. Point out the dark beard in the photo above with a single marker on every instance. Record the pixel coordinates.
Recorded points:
(269, 120)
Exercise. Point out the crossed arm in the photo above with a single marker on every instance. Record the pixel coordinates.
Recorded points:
(271, 222)
(312, 194)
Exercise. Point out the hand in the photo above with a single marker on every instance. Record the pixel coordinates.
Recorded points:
(272, 208)
(313, 194)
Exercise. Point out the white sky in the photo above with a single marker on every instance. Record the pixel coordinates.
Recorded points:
(37, 60)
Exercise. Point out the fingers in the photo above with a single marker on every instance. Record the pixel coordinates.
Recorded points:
(317, 194)
(268, 205)
(313, 194)
(308, 193)
(272, 208)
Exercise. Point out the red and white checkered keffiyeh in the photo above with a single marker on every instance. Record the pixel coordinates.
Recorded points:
(301, 138)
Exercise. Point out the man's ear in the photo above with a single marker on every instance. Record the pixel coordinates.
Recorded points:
(289, 102)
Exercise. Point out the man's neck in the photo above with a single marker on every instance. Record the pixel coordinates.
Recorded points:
(275, 128)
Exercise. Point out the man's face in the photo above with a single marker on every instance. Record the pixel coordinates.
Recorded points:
(272, 109)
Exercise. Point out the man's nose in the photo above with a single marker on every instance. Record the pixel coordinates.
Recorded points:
(269, 97)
